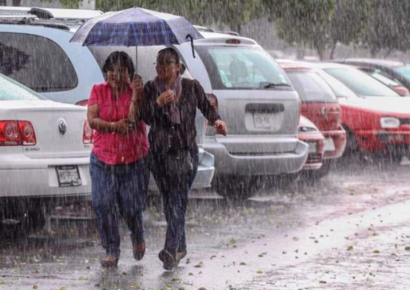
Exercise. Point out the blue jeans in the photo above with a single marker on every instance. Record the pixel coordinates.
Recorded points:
(174, 188)
(118, 188)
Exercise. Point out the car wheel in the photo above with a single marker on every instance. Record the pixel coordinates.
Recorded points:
(21, 217)
(237, 188)
(314, 175)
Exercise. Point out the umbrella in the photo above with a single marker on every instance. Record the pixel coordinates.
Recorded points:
(136, 27)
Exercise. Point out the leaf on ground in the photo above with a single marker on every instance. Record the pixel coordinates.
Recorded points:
(175, 279)
(233, 241)
(259, 272)
(190, 274)
(82, 278)
(202, 288)
(407, 248)
(350, 248)
(295, 238)
(376, 252)
(322, 282)
(35, 286)
(242, 263)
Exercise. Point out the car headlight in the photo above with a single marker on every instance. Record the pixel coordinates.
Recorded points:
(389, 122)
(305, 129)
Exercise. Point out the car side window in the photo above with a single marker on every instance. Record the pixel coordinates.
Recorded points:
(37, 62)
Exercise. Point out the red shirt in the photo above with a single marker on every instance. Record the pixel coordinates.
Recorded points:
(113, 148)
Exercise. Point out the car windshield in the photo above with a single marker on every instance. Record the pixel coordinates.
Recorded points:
(360, 82)
(340, 90)
(404, 71)
(13, 91)
(242, 68)
(311, 87)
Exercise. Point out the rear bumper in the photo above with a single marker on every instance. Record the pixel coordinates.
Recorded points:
(38, 177)
(257, 164)
(339, 140)
(378, 141)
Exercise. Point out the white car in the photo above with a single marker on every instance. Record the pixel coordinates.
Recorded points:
(44, 152)
(38, 54)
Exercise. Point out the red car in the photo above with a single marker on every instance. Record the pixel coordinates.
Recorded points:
(376, 118)
(320, 105)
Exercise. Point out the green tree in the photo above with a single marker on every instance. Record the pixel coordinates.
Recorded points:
(388, 27)
(303, 22)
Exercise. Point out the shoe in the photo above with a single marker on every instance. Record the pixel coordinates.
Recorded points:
(181, 255)
(139, 251)
(109, 261)
(170, 262)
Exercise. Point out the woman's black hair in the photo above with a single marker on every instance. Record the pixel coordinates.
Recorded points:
(123, 59)
(171, 51)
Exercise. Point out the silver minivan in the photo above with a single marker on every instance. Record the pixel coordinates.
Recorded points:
(259, 105)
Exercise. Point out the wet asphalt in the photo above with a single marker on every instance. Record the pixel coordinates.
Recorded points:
(350, 230)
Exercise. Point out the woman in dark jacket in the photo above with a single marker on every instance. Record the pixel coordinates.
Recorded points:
(169, 105)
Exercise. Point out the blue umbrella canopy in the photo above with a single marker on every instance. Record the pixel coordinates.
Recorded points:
(135, 27)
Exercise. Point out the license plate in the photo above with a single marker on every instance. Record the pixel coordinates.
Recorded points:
(396, 137)
(329, 145)
(262, 121)
(312, 147)
(68, 175)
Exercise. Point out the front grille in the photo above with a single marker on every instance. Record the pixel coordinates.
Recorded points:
(405, 121)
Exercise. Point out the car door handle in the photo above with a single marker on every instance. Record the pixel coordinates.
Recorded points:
(264, 108)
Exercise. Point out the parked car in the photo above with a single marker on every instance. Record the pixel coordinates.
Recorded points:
(320, 105)
(397, 71)
(376, 119)
(255, 99)
(37, 53)
(44, 153)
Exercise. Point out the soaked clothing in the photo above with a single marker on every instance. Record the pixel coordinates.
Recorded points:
(166, 136)
(174, 152)
(118, 188)
(119, 176)
(116, 148)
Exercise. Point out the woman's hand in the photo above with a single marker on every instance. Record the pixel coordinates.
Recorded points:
(137, 88)
(220, 127)
(121, 127)
(165, 98)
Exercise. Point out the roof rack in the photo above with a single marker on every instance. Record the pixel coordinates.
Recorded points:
(51, 13)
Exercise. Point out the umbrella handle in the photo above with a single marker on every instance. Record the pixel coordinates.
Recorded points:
(189, 36)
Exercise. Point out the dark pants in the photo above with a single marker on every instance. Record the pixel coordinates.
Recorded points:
(118, 187)
(174, 187)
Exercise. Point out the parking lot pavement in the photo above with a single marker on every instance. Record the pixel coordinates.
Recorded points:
(307, 236)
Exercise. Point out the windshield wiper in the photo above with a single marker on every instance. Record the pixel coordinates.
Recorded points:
(273, 85)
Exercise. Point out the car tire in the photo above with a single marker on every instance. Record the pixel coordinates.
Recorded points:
(314, 175)
(236, 188)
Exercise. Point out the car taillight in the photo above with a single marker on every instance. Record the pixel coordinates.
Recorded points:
(213, 99)
(83, 103)
(16, 133)
(88, 133)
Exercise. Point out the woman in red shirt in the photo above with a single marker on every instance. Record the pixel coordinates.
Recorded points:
(118, 174)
